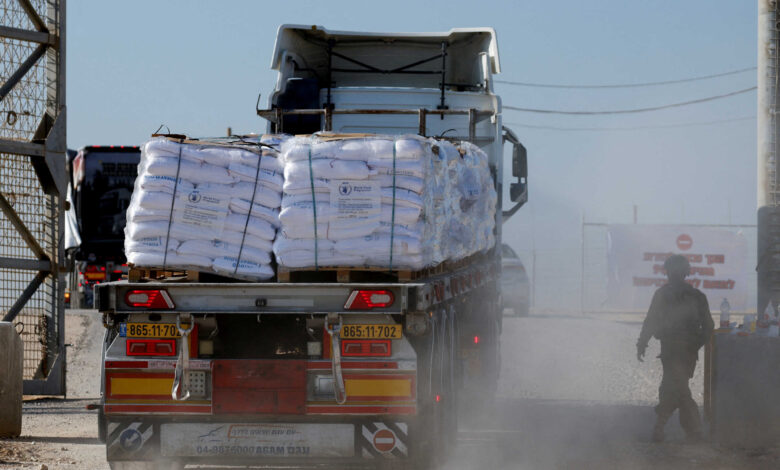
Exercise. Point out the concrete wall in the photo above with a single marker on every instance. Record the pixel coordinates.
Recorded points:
(10, 381)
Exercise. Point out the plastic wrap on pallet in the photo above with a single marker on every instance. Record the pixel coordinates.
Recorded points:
(206, 205)
(397, 202)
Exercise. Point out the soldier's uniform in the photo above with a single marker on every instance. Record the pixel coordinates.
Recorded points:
(679, 316)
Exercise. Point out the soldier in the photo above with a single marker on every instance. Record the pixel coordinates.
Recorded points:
(679, 316)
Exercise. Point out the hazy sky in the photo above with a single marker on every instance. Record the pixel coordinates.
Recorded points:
(197, 66)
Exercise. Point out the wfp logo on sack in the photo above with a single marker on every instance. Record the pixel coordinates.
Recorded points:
(345, 189)
(194, 197)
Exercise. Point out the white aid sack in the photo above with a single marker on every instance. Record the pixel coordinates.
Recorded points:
(306, 258)
(218, 249)
(264, 195)
(256, 226)
(410, 183)
(226, 266)
(241, 206)
(151, 244)
(166, 184)
(192, 198)
(327, 169)
(284, 244)
(270, 178)
(173, 260)
(237, 238)
(192, 172)
(379, 243)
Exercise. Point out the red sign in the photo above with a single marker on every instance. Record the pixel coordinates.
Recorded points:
(684, 242)
(384, 440)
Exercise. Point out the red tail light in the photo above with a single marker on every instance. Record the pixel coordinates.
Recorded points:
(476, 340)
(363, 348)
(154, 299)
(151, 347)
(368, 299)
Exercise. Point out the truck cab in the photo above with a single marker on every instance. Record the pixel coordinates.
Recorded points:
(101, 184)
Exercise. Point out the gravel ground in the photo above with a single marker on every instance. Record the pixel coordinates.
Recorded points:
(571, 395)
(568, 357)
(59, 433)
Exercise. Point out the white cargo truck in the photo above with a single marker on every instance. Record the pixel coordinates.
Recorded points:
(335, 367)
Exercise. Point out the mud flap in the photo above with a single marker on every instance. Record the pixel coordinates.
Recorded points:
(129, 440)
(377, 440)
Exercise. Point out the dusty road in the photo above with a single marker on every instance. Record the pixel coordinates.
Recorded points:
(572, 395)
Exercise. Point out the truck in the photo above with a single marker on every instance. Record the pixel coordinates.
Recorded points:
(102, 178)
(331, 368)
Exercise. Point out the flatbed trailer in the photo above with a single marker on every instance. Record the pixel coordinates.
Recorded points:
(330, 367)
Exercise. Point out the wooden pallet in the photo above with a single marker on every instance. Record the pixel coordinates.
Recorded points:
(363, 273)
(343, 274)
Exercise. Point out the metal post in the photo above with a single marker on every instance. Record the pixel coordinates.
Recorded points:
(330, 71)
(768, 152)
(443, 105)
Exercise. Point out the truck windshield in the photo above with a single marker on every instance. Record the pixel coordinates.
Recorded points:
(103, 197)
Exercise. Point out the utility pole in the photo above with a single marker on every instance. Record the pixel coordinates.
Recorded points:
(767, 159)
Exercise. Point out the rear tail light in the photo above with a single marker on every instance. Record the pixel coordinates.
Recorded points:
(151, 347)
(67, 297)
(368, 299)
(154, 299)
(363, 348)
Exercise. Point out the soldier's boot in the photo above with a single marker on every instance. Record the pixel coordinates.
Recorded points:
(660, 422)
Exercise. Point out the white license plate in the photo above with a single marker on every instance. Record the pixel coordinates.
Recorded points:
(272, 440)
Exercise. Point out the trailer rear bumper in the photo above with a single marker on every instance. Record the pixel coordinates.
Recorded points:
(228, 442)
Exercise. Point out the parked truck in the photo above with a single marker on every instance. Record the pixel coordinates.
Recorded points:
(102, 178)
(333, 369)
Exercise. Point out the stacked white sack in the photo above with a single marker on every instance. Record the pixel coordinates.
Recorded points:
(202, 220)
(472, 202)
(377, 201)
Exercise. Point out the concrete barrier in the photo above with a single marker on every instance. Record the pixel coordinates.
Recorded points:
(10, 381)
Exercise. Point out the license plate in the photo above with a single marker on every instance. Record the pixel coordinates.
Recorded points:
(153, 330)
(371, 332)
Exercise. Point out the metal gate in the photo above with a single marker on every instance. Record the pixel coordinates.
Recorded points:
(33, 182)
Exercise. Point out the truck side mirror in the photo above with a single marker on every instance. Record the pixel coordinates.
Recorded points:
(520, 171)
(518, 191)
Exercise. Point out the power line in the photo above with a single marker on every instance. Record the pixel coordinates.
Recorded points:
(627, 85)
(628, 111)
(635, 128)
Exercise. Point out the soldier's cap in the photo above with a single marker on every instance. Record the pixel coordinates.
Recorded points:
(677, 264)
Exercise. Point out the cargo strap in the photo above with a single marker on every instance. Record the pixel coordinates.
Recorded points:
(173, 203)
(181, 376)
(314, 211)
(249, 214)
(339, 389)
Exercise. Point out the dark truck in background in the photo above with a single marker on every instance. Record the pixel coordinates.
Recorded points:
(102, 179)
